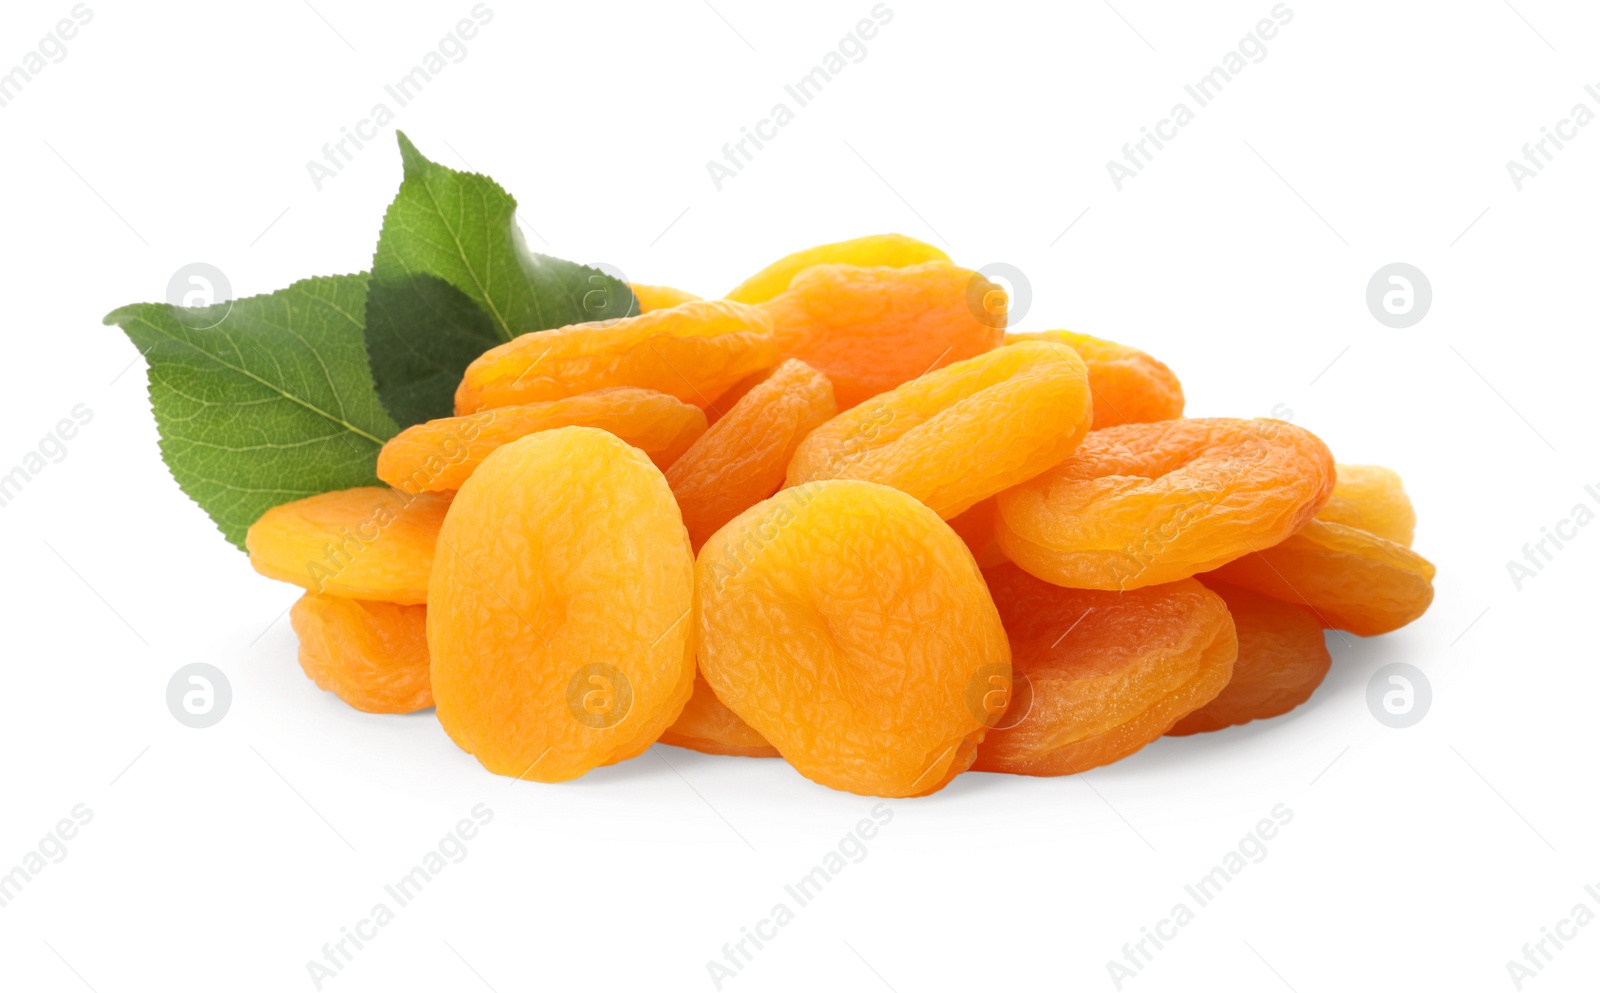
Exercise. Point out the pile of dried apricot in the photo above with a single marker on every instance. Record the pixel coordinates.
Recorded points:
(846, 518)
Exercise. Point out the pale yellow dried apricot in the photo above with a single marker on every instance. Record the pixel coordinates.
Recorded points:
(1373, 499)
(893, 250)
(370, 654)
(658, 297)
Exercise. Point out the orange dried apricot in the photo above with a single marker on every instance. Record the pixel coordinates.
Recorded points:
(1100, 674)
(1129, 386)
(870, 329)
(693, 351)
(1142, 504)
(847, 624)
(1351, 579)
(894, 250)
(707, 725)
(1282, 660)
(975, 525)
(559, 610)
(1373, 499)
(440, 454)
(960, 434)
(658, 297)
(742, 458)
(371, 655)
(367, 543)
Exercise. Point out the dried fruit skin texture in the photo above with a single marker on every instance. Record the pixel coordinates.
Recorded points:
(847, 624)
(893, 250)
(658, 297)
(1350, 579)
(439, 455)
(707, 725)
(368, 543)
(1373, 499)
(1129, 386)
(1142, 504)
(559, 614)
(1282, 660)
(741, 460)
(1106, 673)
(371, 655)
(959, 435)
(693, 352)
(870, 329)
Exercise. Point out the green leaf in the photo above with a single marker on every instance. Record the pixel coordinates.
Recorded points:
(262, 400)
(452, 278)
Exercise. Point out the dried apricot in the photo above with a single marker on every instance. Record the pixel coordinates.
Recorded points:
(658, 297)
(847, 624)
(894, 250)
(1099, 675)
(371, 655)
(742, 458)
(975, 525)
(1142, 504)
(440, 454)
(368, 543)
(1373, 499)
(960, 434)
(1282, 660)
(559, 610)
(1351, 579)
(707, 725)
(1129, 386)
(870, 329)
(693, 351)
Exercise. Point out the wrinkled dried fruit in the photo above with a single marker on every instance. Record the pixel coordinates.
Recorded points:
(1282, 660)
(1100, 675)
(559, 610)
(975, 525)
(870, 329)
(441, 454)
(369, 543)
(707, 725)
(693, 351)
(1129, 386)
(847, 624)
(371, 655)
(741, 459)
(658, 297)
(1142, 504)
(1373, 499)
(893, 250)
(1351, 579)
(956, 436)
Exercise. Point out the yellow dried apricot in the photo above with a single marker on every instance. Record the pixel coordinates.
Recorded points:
(1282, 660)
(894, 250)
(371, 655)
(367, 543)
(440, 454)
(693, 351)
(847, 624)
(742, 458)
(870, 329)
(1142, 504)
(658, 297)
(559, 617)
(1129, 386)
(1373, 499)
(1351, 579)
(963, 433)
(707, 725)
(1099, 675)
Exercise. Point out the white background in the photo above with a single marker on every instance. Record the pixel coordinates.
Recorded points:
(1372, 133)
